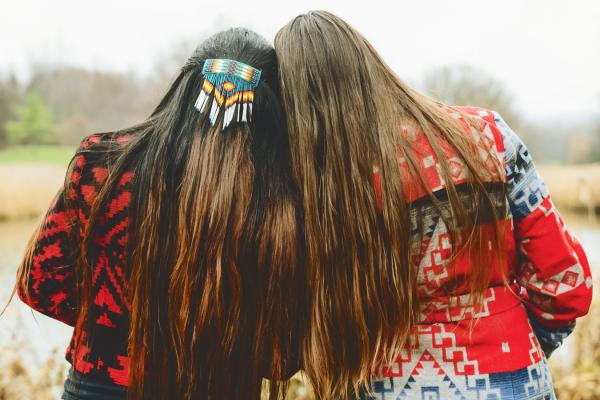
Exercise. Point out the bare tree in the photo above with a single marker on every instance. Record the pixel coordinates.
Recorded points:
(11, 94)
(87, 101)
(595, 148)
(466, 85)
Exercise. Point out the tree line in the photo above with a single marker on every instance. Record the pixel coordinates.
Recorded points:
(61, 104)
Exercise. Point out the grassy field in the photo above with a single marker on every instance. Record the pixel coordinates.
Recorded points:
(31, 175)
(575, 187)
(53, 155)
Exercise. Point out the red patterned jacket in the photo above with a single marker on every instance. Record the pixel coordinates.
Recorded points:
(51, 288)
(498, 351)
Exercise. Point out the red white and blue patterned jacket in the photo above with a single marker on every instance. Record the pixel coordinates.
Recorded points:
(498, 351)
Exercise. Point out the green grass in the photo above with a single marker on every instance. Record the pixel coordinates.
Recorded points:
(38, 154)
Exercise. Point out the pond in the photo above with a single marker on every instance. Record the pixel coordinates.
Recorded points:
(41, 335)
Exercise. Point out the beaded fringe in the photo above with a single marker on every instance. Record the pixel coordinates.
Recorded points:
(230, 93)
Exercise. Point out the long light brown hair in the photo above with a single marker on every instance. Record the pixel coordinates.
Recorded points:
(344, 109)
(213, 257)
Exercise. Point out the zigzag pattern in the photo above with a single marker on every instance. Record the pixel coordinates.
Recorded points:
(51, 291)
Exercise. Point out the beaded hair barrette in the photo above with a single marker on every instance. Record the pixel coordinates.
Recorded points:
(232, 84)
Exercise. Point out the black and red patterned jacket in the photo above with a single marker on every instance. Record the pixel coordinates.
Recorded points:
(51, 285)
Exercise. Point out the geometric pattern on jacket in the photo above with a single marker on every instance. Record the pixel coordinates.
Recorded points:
(498, 351)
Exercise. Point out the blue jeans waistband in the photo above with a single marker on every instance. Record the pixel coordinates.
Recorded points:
(80, 387)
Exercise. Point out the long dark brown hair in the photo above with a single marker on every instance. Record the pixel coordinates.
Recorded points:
(213, 266)
(345, 109)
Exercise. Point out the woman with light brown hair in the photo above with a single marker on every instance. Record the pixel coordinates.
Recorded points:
(437, 265)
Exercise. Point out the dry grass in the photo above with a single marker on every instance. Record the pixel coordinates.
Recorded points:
(297, 390)
(21, 377)
(27, 189)
(581, 379)
(574, 187)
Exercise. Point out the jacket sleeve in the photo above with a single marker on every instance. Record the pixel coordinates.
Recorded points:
(553, 269)
(49, 284)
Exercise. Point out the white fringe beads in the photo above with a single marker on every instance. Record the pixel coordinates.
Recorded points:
(232, 84)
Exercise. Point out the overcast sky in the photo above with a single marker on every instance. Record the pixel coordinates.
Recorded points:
(546, 52)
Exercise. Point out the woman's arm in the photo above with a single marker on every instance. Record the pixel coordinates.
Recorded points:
(46, 279)
(553, 269)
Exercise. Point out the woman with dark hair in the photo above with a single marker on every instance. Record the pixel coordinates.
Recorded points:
(437, 265)
(172, 246)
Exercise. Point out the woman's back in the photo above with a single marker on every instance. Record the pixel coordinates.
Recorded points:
(500, 355)
(169, 242)
(436, 260)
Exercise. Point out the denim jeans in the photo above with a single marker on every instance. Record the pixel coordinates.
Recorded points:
(80, 387)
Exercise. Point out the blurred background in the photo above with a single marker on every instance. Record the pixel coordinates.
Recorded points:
(72, 68)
